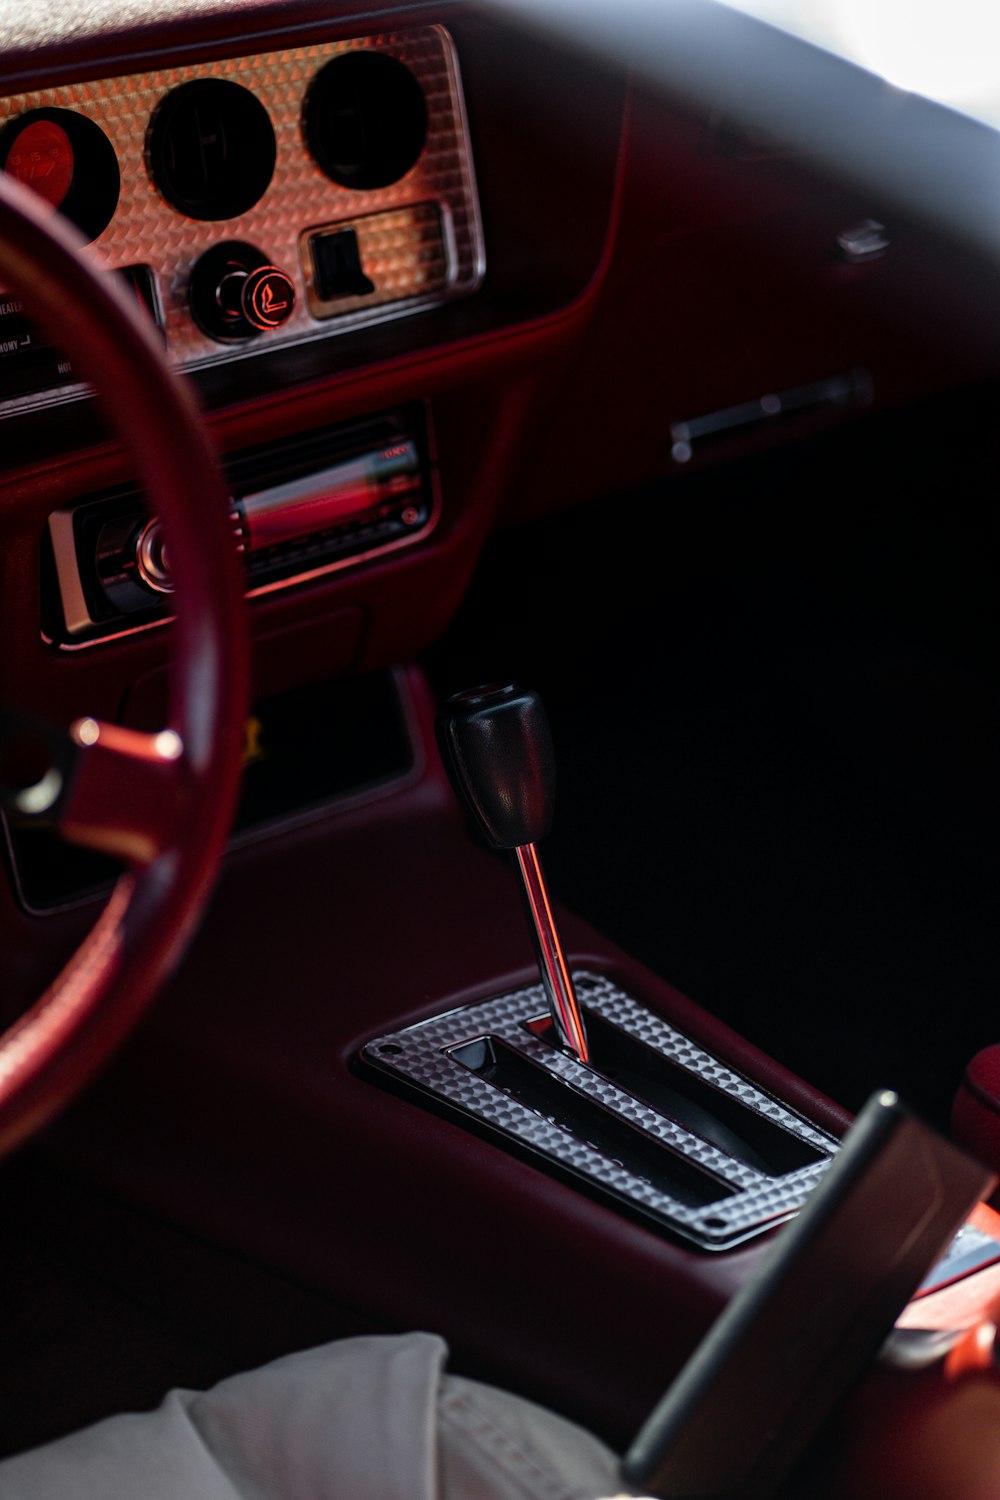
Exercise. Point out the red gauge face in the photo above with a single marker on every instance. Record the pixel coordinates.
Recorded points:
(66, 158)
(42, 157)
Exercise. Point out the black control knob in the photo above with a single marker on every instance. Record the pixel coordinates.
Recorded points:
(497, 747)
(235, 293)
(131, 563)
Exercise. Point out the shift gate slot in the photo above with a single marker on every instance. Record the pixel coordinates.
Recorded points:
(681, 1095)
(647, 1159)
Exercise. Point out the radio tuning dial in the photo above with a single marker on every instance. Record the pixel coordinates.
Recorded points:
(151, 560)
(236, 294)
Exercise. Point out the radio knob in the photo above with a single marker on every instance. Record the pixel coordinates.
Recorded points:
(235, 293)
(151, 561)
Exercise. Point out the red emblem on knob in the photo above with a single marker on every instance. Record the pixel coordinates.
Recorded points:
(267, 297)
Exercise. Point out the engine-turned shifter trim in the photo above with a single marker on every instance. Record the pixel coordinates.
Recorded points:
(716, 1176)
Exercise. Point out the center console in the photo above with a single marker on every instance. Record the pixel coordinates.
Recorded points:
(379, 914)
(576, 1074)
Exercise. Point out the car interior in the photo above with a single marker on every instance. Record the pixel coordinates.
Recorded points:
(500, 707)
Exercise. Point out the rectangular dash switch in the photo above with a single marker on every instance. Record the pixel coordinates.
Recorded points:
(337, 265)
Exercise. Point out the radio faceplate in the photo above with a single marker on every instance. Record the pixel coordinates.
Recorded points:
(326, 500)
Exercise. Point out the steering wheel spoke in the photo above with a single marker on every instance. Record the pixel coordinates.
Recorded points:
(103, 786)
(126, 791)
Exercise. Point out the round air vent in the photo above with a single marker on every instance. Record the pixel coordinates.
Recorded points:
(211, 149)
(68, 160)
(365, 119)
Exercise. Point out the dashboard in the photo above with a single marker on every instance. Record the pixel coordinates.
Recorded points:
(303, 226)
(427, 276)
(280, 196)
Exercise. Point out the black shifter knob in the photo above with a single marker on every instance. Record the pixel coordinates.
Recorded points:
(497, 747)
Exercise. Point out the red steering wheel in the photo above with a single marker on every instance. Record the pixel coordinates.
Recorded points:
(163, 802)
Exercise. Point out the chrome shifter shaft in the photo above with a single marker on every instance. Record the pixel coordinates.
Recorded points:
(551, 959)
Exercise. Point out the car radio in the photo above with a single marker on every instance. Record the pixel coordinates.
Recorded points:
(299, 508)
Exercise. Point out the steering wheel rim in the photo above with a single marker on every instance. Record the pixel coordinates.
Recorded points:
(169, 798)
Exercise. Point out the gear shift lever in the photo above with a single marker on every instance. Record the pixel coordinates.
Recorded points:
(640, 1112)
(497, 749)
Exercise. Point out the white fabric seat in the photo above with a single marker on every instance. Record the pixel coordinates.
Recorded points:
(362, 1419)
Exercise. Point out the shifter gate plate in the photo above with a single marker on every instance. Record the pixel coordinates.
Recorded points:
(657, 1124)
